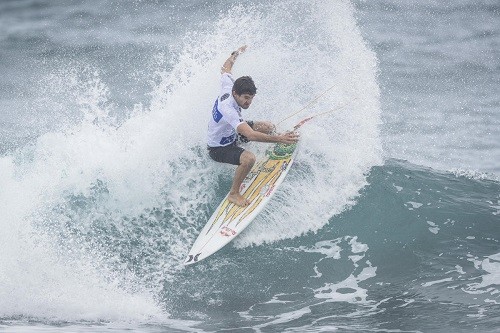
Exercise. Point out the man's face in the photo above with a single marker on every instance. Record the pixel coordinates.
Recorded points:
(243, 100)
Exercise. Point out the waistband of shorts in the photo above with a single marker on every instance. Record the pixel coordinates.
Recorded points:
(229, 145)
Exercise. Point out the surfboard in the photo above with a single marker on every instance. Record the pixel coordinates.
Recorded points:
(229, 220)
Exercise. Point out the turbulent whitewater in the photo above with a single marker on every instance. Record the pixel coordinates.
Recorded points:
(105, 181)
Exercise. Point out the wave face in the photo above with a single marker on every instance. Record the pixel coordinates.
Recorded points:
(418, 244)
(105, 187)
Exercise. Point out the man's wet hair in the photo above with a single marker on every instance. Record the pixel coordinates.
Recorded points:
(244, 85)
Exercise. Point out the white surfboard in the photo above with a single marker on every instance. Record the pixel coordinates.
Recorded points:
(229, 220)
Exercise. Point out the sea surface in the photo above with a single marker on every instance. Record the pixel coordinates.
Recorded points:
(389, 220)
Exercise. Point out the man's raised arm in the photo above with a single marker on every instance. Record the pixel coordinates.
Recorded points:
(228, 64)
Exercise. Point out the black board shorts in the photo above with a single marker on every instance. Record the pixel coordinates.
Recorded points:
(230, 153)
(227, 154)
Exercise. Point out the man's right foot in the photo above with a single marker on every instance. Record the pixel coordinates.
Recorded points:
(238, 200)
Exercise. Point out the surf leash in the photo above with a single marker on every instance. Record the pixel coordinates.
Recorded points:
(303, 121)
(307, 105)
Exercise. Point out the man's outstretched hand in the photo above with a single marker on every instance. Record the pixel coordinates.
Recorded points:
(289, 137)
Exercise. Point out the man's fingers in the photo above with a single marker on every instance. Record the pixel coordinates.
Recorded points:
(292, 137)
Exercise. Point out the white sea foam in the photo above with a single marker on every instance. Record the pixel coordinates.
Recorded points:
(414, 205)
(155, 159)
(495, 206)
(347, 249)
(47, 271)
(473, 174)
(434, 228)
(398, 188)
(431, 283)
(347, 290)
(338, 149)
(38, 279)
(490, 281)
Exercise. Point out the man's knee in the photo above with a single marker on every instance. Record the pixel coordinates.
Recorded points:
(264, 127)
(247, 158)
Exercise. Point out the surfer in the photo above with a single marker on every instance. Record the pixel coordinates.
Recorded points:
(227, 127)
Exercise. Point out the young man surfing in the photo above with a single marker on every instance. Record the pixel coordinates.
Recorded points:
(227, 124)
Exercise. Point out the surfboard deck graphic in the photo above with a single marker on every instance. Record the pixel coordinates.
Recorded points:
(229, 220)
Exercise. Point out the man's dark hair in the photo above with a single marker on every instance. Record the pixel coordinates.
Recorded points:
(244, 85)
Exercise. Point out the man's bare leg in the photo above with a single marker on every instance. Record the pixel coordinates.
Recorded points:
(247, 160)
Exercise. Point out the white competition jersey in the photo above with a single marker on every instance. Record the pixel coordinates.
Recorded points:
(226, 115)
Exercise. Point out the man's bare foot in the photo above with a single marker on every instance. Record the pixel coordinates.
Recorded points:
(238, 199)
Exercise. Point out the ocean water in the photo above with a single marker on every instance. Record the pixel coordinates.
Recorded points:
(389, 220)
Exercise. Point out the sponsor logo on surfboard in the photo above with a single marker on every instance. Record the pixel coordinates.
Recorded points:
(227, 232)
(281, 151)
(192, 258)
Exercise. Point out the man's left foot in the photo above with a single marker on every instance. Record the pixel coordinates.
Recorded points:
(238, 200)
